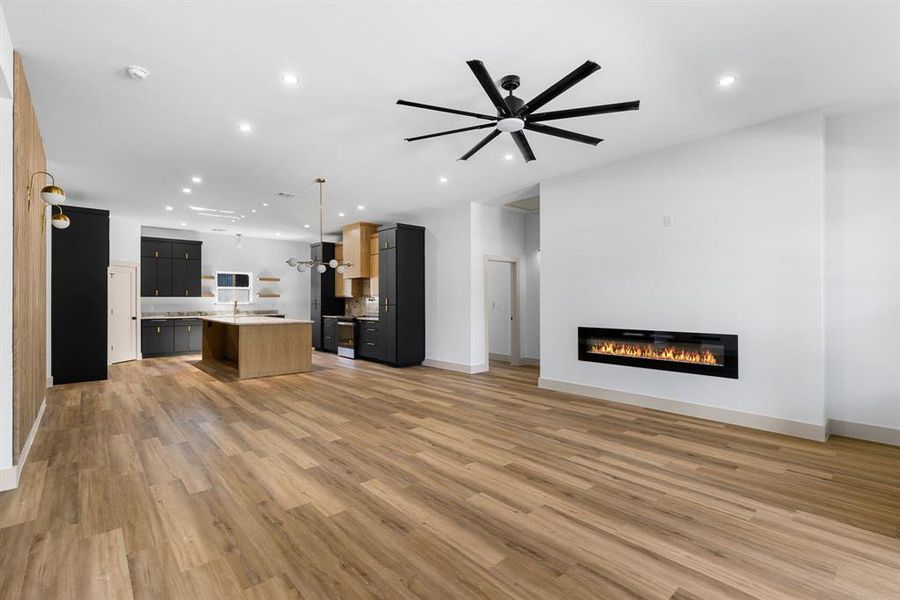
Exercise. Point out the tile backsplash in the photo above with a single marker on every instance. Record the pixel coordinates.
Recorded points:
(361, 306)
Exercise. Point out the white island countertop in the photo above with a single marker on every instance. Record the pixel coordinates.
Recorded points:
(251, 320)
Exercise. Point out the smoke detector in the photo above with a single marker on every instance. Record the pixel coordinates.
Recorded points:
(137, 72)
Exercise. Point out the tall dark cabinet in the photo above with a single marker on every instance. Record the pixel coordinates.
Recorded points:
(78, 306)
(170, 267)
(322, 298)
(401, 294)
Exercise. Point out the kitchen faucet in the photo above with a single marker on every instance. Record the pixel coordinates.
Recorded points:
(235, 311)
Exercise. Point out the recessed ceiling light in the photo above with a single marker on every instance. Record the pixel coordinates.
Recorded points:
(443, 179)
(183, 224)
(265, 203)
(290, 79)
(245, 127)
(243, 216)
(360, 207)
(170, 208)
(508, 157)
(340, 214)
(252, 210)
(306, 226)
(186, 190)
(197, 179)
(727, 80)
(277, 233)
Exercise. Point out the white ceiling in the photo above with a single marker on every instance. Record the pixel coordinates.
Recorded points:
(131, 146)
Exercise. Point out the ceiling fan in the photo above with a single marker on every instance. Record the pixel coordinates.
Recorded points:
(514, 115)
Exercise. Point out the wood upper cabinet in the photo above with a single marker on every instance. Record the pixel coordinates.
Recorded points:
(356, 249)
(343, 286)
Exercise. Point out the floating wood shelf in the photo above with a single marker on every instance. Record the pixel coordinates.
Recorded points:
(268, 295)
(268, 278)
(207, 295)
(207, 277)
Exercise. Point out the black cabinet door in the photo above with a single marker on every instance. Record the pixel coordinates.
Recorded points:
(179, 277)
(157, 339)
(193, 277)
(149, 248)
(148, 276)
(186, 250)
(387, 239)
(195, 338)
(317, 333)
(387, 277)
(386, 348)
(149, 340)
(164, 276)
(180, 341)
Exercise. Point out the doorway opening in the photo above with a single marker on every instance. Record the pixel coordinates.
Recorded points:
(501, 310)
(123, 301)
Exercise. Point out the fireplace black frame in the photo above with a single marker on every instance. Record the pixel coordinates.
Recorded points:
(728, 369)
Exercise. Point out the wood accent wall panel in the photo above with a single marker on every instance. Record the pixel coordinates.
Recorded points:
(29, 332)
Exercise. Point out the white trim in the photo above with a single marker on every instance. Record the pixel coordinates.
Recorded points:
(500, 357)
(531, 362)
(513, 307)
(9, 478)
(451, 366)
(863, 431)
(810, 431)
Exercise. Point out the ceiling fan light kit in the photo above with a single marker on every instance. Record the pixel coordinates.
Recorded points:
(515, 115)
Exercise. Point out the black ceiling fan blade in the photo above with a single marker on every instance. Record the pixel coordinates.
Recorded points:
(559, 87)
(487, 139)
(440, 133)
(446, 110)
(484, 78)
(562, 133)
(585, 111)
(524, 146)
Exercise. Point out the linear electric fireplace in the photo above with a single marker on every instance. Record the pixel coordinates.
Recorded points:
(701, 353)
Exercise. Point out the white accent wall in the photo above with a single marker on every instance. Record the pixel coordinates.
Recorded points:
(743, 255)
(530, 310)
(862, 276)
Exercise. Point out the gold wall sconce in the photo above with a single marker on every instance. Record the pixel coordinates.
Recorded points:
(52, 195)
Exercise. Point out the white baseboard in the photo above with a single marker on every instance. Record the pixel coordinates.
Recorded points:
(810, 431)
(500, 357)
(532, 362)
(451, 366)
(862, 431)
(49, 381)
(9, 478)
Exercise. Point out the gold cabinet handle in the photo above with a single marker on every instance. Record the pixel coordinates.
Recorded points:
(189, 328)
(157, 292)
(156, 253)
(157, 330)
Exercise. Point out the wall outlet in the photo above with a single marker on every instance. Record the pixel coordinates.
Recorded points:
(667, 220)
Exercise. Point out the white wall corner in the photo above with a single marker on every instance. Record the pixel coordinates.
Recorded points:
(863, 431)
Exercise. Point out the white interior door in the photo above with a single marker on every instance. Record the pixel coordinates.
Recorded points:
(122, 313)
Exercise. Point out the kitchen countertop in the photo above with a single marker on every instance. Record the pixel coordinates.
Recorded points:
(198, 315)
(349, 318)
(251, 320)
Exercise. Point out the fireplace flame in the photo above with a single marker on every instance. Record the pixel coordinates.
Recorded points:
(703, 357)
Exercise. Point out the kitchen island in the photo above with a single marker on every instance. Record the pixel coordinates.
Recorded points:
(257, 346)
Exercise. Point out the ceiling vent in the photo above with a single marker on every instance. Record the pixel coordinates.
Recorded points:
(285, 194)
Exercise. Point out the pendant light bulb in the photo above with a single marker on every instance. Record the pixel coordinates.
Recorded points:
(341, 268)
(333, 263)
(321, 268)
(292, 262)
(301, 268)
